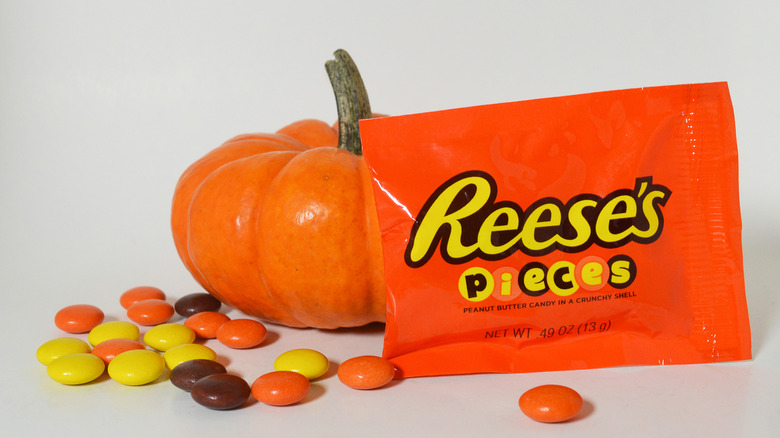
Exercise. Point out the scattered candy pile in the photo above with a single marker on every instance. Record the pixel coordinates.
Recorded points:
(116, 347)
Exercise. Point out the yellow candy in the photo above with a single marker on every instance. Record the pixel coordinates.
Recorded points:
(165, 336)
(59, 347)
(113, 330)
(76, 368)
(310, 363)
(136, 367)
(182, 353)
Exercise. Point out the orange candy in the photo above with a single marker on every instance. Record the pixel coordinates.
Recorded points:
(551, 403)
(78, 318)
(205, 324)
(108, 350)
(140, 293)
(366, 372)
(241, 333)
(150, 312)
(281, 388)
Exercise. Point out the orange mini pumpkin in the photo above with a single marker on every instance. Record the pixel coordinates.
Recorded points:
(283, 226)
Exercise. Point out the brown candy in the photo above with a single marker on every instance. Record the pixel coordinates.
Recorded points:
(186, 374)
(191, 304)
(220, 391)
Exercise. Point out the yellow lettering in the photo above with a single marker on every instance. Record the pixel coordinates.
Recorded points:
(561, 280)
(648, 209)
(437, 218)
(620, 272)
(533, 280)
(608, 215)
(579, 223)
(485, 238)
(534, 221)
(591, 273)
(463, 218)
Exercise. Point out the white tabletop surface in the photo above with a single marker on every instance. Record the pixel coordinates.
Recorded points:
(104, 104)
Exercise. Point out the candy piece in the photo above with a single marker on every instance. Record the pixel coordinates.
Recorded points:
(140, 293)
(76, 368)
(179, 354)
(551, 403)
(241, 333)
(191, 304)
(78, 318)
(185, 375)
(108, 350)
(113, 330)
(56, 348)
(168, 335)
(281, 388)
(310, 363)
(205, 324)
(366, 372)
(220, 391)
(150, 312)
(136, 367)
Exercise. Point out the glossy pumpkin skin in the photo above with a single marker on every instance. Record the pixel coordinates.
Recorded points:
(283, 227)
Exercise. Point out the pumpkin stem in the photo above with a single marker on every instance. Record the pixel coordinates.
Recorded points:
(351, 99)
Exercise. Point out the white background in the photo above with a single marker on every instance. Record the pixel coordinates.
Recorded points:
(103, 104)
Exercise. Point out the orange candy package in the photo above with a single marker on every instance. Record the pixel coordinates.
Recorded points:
(575, 232)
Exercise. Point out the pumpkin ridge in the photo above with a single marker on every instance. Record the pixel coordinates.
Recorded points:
(223, 212)
(296, 276)
(295, 268)
(193, 177)
(312, 132)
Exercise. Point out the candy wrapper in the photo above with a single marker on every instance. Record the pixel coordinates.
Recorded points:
(574, 232)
